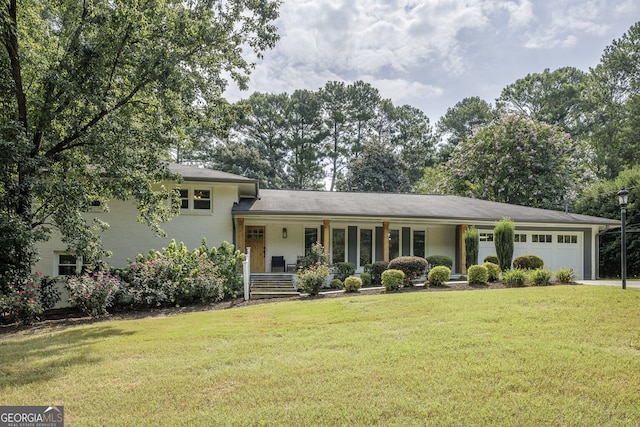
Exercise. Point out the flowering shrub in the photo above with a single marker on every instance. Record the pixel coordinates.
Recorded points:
(312, 278)
(153, 282)
(93, 292)
(25, 300)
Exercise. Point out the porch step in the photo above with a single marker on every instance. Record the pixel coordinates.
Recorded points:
(272, 286)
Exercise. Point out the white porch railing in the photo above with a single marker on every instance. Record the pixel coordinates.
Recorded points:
(246, 274)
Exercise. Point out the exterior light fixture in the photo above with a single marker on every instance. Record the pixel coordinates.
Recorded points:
(284, 233)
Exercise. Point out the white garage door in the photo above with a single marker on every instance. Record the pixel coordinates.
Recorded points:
(558, 250)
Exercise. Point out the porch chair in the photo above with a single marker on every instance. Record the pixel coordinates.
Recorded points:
(277, 264)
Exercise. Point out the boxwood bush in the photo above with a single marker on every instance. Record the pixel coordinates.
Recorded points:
(494, 271)
(439, 275)
(478, 274)
(492, 259)
(352, 284)
(436, 260)
(412, 267)
(342, 270)
(528, 262)
(377, 268)
(335, 284)
(366, 279)
(392, 279)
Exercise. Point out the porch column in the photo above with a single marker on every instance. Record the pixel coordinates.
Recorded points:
(241, 236)
(462, 250)
(385, 241)
(327, 242)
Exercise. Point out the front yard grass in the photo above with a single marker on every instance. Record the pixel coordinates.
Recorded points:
(549, 356)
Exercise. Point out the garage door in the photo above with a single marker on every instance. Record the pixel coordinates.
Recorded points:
(558, 250)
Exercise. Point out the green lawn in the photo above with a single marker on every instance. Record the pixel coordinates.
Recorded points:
(561, 355)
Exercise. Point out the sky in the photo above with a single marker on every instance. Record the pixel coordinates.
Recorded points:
(431, 54)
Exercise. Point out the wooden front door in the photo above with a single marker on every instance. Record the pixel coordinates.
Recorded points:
(256, 241)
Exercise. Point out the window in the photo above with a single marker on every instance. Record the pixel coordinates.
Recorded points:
(394, 244)
(195, 200)
(366, 246)
(202, 199)
(486, 237)
(568, 239)
(542, 238)
(310, 237)
(520, 238)
(338, 245)
(69, 264)
(418, 243)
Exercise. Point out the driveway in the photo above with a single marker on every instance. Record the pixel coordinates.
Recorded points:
(630, 283)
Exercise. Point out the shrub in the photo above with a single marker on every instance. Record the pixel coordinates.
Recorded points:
(315, 256)
(515, 278)
(494, 271)
(528, 262)
(377, 268)
(312, 278)
(342, 270)
(25, 300)
(366, 279)
(492, 259)
(228, 260)
(504, 233)
(92, 293)
(392, 279)
(436, 260)
(367, 268)
(564, 275)
(478, 274)
(439, 275)
(335, 284)
(471, 245)
(352, 284)
(540, 277)
(412, 267)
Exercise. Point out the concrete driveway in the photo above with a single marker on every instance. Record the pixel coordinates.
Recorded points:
(618, 283)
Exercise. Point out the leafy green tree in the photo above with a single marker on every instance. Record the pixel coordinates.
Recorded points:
(600, 199)
(520, 161)
(458, 123)
(432, 181)
(504, 237)
(613, 93)
(552, 97)
(91, 94)
(240, 159)
(377, 169)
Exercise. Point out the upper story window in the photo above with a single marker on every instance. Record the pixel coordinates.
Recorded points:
(195, 199)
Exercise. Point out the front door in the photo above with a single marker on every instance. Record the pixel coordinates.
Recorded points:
(255, 241)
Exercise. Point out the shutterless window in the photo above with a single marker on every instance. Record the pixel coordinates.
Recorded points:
(202, 199)
(338, 245)
(394, 244)
(310, 237)
(568, 239)
(184, 198)
(542, 238)
(67, 265)
(418, 243)
(520, 238)
(366, 246)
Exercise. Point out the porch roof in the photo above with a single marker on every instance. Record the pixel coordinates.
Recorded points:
(390, 205)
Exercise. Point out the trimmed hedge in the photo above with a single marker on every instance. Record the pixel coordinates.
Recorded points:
(439, 275)
(335, 284)
(528, 262)
(492, 259)
(392, 279)
(412, 267)
(494, 271)
(478, 274)
(366, 279)
(352, 284)
(436, 260)
(342, 270)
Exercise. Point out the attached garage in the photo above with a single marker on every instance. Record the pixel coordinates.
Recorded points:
(558, 249)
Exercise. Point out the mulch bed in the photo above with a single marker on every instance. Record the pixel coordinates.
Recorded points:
(71, 317)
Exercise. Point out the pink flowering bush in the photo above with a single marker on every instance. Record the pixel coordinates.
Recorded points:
(25, 300)
(93, 292)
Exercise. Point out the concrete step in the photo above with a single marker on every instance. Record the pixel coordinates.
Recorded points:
(272, 286)
(279, 294)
